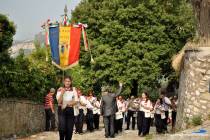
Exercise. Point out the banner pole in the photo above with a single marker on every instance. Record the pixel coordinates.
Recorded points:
(63, 74)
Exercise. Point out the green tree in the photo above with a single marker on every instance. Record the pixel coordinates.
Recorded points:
(7, 31)
(133, 41)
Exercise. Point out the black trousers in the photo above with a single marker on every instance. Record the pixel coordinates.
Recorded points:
(96, 120)
(140, 118)
(66, 123)
(131, 115)
(89, 120)
(79, 121)
(173, 118)
(50, 120)
(159, 123)
(146, 126)
(118, 125)
(149, 124)
(165, 121)
(109, 125)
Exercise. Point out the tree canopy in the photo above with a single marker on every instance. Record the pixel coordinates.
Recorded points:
(133, 41)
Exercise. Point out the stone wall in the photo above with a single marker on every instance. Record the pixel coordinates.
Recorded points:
(194, 96)
(20, 117)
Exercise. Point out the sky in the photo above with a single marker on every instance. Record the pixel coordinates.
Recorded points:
(29, 15)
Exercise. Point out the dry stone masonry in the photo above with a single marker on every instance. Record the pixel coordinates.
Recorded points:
(194, 96)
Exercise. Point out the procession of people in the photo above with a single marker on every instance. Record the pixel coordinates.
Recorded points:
(75, 109)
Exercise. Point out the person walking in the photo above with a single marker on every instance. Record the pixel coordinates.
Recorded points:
(89, 116)
(49, 110)
(167, 105)
(67, 99)
(146, 106)
(119, 117)
(132, 108)
(159, 116)
(96, 114)
(82, 112)
(108, 109)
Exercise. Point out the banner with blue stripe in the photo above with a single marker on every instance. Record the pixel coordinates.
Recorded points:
(54, 43)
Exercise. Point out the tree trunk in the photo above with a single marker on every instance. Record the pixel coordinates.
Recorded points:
(202, 13)
(134, 90)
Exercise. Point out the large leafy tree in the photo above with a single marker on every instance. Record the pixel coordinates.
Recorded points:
(28, 77)
(133, 41)
(7, 30)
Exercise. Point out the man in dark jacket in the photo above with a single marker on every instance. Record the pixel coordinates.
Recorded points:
(108, 109)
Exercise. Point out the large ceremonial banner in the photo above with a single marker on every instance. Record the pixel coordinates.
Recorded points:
(54, 42)
(65, 45)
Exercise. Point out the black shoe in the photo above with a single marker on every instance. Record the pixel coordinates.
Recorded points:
(106, 136)
(112, 136)
(127, 129)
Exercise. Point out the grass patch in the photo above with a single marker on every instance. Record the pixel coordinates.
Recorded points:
(149, 137)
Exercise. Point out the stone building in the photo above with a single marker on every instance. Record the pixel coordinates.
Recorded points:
(194, 82)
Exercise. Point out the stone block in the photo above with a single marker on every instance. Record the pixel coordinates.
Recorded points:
(188, 110)
(192, 74)
(208, 72)
(203, 107)
(201, 60)
(203, 101)
(202, 90)
(197, 93)
(200, 70)
(197, 63)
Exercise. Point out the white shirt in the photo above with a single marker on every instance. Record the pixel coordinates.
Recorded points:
(148, 104)
(159, 108)
(166, 103)
(96, 108)
(82, 100)
(121, 106)
(67, 97)
(89, 105)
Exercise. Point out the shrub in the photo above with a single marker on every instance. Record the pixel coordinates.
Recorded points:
(196, 120)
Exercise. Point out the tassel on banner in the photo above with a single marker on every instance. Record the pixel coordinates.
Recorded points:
(84, 35)
(85, 39)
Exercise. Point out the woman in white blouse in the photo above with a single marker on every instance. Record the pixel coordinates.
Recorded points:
(159, 115)
(146, 107)
(67, 99)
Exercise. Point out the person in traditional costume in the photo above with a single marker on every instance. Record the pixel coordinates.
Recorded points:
(67, 101)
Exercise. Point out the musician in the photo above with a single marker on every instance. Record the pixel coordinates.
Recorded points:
(131, 112)
(159, 116)
(140, 116)
(167, 105)
(96, 113)
(89, 116)
(82, 112)
(146, 107)
(121, 110)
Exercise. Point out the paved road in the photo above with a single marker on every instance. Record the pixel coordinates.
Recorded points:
(131, 135)
(97, 135)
